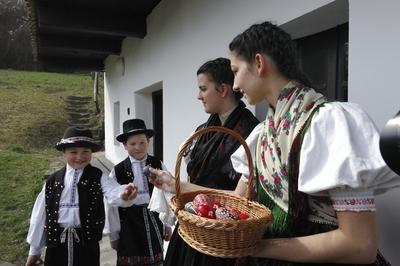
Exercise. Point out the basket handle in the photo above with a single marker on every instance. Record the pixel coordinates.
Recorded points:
(249, 192)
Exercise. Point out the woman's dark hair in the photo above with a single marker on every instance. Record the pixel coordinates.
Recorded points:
(269, 39)
(219, 71)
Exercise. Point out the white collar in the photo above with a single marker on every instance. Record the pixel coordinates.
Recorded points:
(133, 160)
(71, 169)
(224, 116)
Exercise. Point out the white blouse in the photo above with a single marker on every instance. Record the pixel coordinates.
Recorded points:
(69, 206)
(339, 158)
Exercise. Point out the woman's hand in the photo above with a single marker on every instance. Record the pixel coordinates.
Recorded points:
(162, 180)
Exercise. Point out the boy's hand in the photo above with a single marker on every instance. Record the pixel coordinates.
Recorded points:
(162, 180)
(130, 192)
(33, 260)
(114, 244)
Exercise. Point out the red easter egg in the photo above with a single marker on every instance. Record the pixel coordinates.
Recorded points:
(201, 199)
(216, 204)
(244, 216)
(205, 210)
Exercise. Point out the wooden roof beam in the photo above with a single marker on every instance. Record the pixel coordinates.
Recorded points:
(89, 21)
(53, 64)
(96, 45)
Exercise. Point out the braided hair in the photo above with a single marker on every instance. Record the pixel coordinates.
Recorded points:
(219, 71)
(269, 39)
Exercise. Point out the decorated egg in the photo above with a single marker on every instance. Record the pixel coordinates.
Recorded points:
(190, 208)
(205, 210)
(201, 199)
(146, 171)
(216, 204)
(244, 216)
(235, 213)
(222, 213)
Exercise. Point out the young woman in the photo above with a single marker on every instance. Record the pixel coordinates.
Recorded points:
(208, 160)
(318, 163)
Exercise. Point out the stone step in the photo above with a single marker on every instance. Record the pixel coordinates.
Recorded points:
(73, 97)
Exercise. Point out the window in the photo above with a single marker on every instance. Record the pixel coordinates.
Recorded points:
(158, 123)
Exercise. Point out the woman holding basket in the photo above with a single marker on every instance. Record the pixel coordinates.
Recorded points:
(208, 160)
(318, 163)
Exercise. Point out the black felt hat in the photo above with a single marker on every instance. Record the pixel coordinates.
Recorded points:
(77, 137)
(133, 127)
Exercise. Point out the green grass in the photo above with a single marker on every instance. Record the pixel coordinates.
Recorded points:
(32, 106)
(33, 119)
(21, 176)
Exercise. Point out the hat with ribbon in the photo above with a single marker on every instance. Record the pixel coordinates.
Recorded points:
(75, 136)
(133, 127)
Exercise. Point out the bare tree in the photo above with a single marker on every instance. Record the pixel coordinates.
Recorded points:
(15, 46)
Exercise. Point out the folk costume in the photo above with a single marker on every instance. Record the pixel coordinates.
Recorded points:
(209, 165)
(139, 230)
(314, 158)
(68, 215)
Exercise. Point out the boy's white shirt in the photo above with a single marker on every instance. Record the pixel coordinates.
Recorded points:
(69, 216)
(158, 201)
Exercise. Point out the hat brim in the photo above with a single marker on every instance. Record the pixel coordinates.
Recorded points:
(124, 136)
(93, 146)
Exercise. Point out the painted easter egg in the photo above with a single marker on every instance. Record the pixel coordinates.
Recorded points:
(201, 199)
(190, 208)
(205, 210)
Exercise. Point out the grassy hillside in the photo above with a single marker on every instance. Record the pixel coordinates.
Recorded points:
(33, 119)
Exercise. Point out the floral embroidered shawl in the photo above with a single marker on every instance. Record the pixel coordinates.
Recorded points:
(282, 125)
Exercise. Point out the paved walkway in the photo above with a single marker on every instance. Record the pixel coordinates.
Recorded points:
(4, 263)
(108, 256)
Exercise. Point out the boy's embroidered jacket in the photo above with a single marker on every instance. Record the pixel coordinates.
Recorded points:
(91, 205)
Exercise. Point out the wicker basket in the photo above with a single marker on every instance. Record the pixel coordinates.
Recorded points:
(220, 238)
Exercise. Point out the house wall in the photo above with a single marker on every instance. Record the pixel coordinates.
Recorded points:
(184, 34)
(374, 37)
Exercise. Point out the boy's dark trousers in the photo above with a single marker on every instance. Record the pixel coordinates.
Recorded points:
(83, 255)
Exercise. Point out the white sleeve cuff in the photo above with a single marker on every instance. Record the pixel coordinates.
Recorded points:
(355, 200)
(34, 251)
(114, 236)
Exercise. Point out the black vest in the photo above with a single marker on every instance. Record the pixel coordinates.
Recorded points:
(124, 173)
(91, 205)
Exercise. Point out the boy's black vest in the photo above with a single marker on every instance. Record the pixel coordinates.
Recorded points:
(91, 206)
(124, 173)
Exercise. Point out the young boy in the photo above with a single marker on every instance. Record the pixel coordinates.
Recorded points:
(136, 232)
(68, 215)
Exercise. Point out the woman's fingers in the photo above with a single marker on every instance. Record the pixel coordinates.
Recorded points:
(162, 179)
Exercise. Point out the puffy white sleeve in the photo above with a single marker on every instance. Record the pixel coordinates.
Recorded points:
(112, 192)
(340, 155)
(159, 203)
(113, 226)
(36, 234)
(239, 158)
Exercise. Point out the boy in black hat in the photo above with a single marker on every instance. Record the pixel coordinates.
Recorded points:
(68, 215)
(136, 232)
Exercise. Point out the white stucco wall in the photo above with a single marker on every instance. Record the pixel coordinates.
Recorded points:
(184, 34)
(374, 53)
